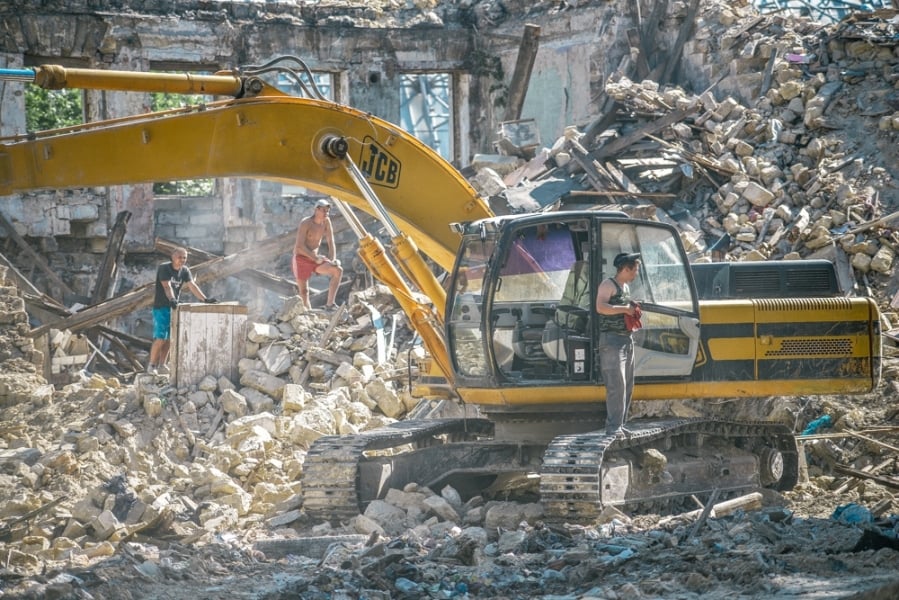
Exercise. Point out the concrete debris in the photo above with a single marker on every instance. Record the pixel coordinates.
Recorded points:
(143, 490)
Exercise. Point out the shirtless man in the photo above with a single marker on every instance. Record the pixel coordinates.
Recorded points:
(306, 258)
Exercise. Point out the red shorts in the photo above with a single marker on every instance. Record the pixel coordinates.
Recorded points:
(303, 266)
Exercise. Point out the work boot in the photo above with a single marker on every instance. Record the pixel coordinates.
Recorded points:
(151, 370)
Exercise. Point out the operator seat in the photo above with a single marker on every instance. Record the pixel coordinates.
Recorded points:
(571, 315)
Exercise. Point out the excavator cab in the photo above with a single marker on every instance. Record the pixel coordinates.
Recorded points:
(522, 311)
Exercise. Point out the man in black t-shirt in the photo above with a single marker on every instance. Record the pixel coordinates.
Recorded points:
(616, 345)
(171, 277)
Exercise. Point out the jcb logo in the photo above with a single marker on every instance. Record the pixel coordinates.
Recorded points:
(379, 165)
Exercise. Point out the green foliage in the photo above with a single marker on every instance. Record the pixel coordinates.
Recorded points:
(165, 101)
(49, 109)
(160, 101)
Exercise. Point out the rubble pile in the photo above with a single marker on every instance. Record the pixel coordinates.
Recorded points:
(164, 492)
(138, 490)
(19, 359)
(228, 453)
(806, 170)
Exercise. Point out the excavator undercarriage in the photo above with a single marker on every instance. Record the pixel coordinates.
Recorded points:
(658, 468)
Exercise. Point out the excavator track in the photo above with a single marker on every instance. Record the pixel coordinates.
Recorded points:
(583, 473)
(330, 479)
(657, 468)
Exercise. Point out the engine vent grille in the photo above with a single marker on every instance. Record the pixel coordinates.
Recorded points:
(813, 347)
(771, 304)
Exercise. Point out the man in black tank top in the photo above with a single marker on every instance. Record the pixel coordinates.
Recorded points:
(616, 346)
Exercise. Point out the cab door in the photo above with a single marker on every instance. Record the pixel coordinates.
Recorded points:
(667, 344)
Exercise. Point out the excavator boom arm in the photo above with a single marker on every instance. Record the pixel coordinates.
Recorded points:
(263, 134)
(277, 138)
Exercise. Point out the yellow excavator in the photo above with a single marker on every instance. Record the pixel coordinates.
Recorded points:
(515, 334)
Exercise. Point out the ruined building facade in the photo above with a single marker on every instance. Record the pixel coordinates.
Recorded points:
(365, 53)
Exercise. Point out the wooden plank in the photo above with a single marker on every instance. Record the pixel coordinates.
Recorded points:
(875, 223)
(605, 120)
(619, 144)
(22, 282)
(39, 303)
(683, 35)
(704, 515)
(871, 440)
(872, 469)
(613, 193)
(122, 349)
(744, 30)
(769, 72)
(885, 481)
(521, 77)
(590, 169)
(106, 272)
(8, 526)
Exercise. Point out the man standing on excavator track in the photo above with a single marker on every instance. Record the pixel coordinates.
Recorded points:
(617, 320)
(306, 258)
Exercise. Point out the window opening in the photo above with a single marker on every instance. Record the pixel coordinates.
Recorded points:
(426, 109)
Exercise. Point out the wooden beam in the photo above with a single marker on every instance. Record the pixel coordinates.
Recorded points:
(884, 481)
(683, 35)
(521, 77)
(107, 270)
(619, 144)
(591, 169)
(633, 38)
(871, 469)
(262, 252)
(22, 282)
(648, 195)
(649, 32)
(605, 120)
(39, 261)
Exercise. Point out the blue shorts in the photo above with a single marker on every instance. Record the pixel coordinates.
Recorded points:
(162, 323)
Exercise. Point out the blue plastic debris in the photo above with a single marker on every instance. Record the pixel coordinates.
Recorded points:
(406, 586)
(820, 423)
(852, 514)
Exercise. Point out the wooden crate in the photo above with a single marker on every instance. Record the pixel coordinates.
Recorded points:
(207, 339)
